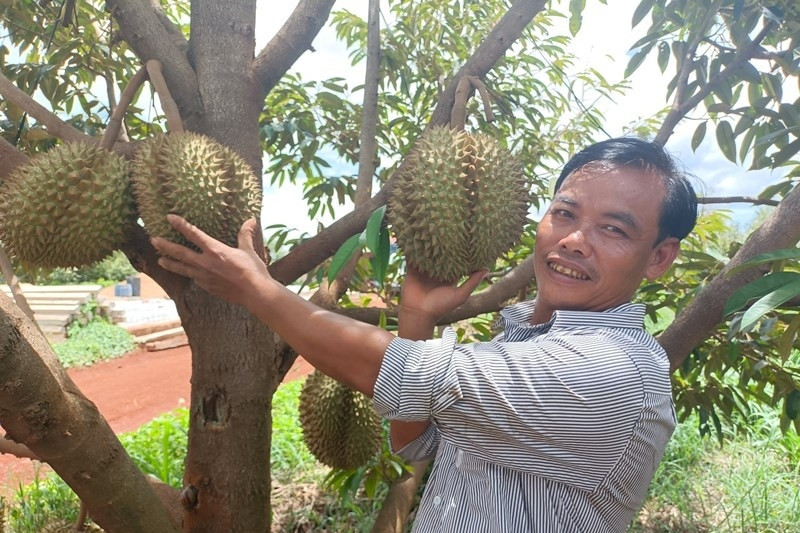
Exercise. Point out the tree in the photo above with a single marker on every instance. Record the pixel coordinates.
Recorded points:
(249, 100)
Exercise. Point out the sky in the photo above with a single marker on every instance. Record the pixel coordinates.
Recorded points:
(594, 46)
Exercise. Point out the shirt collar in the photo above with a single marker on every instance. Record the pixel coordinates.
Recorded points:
(627, 315)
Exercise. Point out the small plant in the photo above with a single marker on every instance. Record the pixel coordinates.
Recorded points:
(92, 339)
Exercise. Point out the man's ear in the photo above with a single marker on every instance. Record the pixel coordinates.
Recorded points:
(662, 257)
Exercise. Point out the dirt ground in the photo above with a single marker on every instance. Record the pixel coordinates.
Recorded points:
(128, 391)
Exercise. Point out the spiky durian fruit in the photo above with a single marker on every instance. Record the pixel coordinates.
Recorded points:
(461, 202)
(67, 207)
(193, 176)
(340, 427)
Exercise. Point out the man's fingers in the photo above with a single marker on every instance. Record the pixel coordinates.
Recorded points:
(178, 267)
(171, 249)
(471, 283)
(246, 234)
(191, 232)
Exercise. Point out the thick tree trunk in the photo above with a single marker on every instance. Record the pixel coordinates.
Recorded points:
(42, 408)
(227, 477)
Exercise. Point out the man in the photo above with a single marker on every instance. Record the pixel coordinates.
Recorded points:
(560, 422)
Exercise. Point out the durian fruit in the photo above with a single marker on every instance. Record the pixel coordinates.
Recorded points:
(193, 176)
(340, 427)
(67, 207)
(461, 202)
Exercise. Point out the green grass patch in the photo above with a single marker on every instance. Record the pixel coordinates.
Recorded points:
(96, 341)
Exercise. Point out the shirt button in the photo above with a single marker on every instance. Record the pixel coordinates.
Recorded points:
(437, 500)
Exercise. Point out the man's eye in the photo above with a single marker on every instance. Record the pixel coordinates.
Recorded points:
(562, 213)
(614, 229)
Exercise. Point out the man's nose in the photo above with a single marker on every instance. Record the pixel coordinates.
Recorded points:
(576, 242)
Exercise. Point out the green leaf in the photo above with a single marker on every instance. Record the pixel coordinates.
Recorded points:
(792, 404)
(637, 59)
(374, 229)
(663, 55)
(787, 339)
(786, 153)
(698, 136)
(380, 257)
(757, 289)
(782, 187)
(345, 252)
(767, 257)
(726, 141)
(770, 302)
(575, 15)
(641, 11)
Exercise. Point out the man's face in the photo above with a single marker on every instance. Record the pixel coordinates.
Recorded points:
(596, 242)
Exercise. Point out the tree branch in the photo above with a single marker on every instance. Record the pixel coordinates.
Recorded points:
(368, 149)
(680, 107)
(291, 41)
(318, 248)
(41, 408)
(55, 126)
(10, 158)
(17, 450)
(737, 199)
(691, 326)
(13, 283)
(142, 26)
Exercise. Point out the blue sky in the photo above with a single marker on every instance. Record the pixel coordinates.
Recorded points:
(594, 46)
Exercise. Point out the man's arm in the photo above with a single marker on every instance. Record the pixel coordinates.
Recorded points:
(345, 349)
(422, 303)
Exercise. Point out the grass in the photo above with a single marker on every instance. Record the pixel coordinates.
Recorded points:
(748, 485)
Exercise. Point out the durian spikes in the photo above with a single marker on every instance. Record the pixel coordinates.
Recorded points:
(340, 427)
(461, 202)
(195, 177)
(68, 207)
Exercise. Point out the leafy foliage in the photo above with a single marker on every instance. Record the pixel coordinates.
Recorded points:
(93, 341)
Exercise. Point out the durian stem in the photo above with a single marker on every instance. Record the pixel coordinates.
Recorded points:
(174, 122)
(115, 122)
(458, 115)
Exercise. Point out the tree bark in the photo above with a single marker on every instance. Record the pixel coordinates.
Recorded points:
(399, 501)
(233, 379)
(696, 320)
(10, 159)
(13, 283)
(41, 408)
(292, 40)
(143, 27)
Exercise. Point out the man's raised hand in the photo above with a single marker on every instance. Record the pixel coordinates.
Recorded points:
(226, 272)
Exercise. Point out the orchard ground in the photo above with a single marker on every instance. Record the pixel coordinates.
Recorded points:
(129, 391)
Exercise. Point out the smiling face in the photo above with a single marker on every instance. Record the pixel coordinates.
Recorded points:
(597, 241)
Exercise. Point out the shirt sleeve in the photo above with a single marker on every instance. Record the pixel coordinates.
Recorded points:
(423, 447)
(562, 408)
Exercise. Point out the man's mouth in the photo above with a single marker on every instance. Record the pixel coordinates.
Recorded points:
(561, 269)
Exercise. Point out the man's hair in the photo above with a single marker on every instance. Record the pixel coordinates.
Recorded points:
(679, 210)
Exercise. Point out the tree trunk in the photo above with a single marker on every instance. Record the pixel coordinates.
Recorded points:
(399, 501)
(42, 408)
(227, 477)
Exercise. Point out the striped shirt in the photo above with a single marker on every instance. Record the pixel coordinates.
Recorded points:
(556, 427)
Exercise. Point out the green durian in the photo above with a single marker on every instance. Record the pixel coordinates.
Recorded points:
(67, 207)
(460, 203)
(193, 176)
(340, 427)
